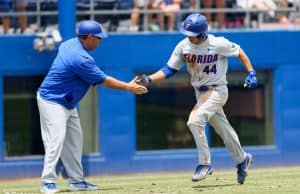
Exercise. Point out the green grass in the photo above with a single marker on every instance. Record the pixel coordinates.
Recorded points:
(259, 181)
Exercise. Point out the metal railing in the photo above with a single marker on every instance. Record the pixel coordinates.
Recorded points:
(91, 12)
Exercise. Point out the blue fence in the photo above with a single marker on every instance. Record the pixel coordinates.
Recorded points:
(124, 55)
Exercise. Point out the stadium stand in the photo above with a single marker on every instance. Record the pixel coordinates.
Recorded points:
(115, 15)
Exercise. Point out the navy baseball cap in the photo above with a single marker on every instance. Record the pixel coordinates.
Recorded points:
(91, 27)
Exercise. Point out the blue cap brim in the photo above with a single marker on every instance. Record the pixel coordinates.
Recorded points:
(101, 35)
(187, 33)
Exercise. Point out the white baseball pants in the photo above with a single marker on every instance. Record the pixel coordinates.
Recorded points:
(209, 108)
(62, 138)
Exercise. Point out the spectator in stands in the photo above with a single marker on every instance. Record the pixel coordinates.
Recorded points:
(263, 5)
(220, 16)
(135, 15)
(5, 7)
(169, 8)
(18, 5)
(283, 17)
(208, 4)
(193, 4)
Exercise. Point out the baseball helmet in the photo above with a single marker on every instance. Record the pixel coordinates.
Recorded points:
(91, 27)
(195, 25)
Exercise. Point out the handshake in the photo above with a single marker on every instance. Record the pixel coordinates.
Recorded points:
(138, 84)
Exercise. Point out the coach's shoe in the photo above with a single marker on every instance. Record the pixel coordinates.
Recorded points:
(82, 186)
(48, 188)
(242, 169)
(201, 172)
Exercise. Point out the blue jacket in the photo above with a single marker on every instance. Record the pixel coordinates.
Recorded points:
(72, 73)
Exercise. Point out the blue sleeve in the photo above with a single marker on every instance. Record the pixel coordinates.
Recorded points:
(168, 71)
(89, 72)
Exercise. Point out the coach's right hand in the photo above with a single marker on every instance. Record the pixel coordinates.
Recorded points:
(136, 88)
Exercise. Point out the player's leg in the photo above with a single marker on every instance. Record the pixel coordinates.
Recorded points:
(232, 143)
(208, 103)
(72, 153)
(196, 123)
(72, 150)
(53, 128)
(204, 167)
(228, 135)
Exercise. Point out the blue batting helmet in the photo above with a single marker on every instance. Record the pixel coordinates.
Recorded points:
(195, 25)
(91, 27)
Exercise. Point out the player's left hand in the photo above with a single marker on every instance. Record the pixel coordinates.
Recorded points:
(251, 80)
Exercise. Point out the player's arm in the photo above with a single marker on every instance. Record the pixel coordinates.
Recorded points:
(245, 60)
(229, 49)
(251, 80)
(157, 76)
(163, 73)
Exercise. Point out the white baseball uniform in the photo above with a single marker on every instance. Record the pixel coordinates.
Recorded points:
(207, 65)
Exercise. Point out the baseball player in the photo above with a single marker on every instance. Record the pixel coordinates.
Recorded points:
(73, 71)
(206, 58)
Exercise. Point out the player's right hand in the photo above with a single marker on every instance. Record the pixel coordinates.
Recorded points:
(136, 88)
(143, 80)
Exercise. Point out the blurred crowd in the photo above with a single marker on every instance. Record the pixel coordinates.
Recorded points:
(151, 15)
(18, 6)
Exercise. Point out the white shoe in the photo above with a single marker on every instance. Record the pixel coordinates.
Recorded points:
(82, 186)
(49, 188)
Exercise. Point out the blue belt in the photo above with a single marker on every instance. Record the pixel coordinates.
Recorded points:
(206, 88)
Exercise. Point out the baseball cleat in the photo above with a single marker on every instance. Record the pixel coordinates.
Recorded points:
(243, 167)
(82, 186)
(48, 188)
(201, 172)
